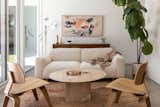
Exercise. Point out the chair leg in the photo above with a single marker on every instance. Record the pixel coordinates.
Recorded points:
(118, 94)
(140, 98)
(45, 93)
(148, 103)
(111, 98)
(6, 100)
(35, 94)
(16, 101)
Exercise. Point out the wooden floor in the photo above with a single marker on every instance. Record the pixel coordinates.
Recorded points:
(153, 87)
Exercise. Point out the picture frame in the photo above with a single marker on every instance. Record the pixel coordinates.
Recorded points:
(82, 25)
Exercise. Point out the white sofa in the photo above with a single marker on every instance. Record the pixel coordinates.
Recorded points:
(64, 58)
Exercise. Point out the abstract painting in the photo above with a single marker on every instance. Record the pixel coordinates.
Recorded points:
(82, 25)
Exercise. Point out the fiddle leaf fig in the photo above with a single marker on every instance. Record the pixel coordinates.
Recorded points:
(135, 23)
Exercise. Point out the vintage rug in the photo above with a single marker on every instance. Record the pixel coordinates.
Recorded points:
(99, 98)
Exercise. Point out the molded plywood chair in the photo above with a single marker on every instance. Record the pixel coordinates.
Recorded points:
(18, 84)
(135, 87)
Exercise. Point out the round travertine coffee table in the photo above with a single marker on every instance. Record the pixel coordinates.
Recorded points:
(77, 88)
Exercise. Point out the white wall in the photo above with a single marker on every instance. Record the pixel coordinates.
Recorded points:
(153, 26)
(113, 24)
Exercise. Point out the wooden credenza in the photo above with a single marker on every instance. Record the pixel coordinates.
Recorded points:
(80, 45)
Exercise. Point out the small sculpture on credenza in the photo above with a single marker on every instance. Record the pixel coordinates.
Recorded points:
(57, 42)
(103, 39)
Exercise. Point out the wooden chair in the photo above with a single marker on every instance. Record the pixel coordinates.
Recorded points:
(135, 87)
(18, 84)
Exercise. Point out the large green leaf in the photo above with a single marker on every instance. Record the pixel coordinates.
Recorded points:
(141, 20)
(120, 2)
(132, 33)
(134, 5)
(142, 35)
(134, 19)
(136, 33)
(146, 33)
(131, 1)
(143, 8)
(126, 12)
(147, 48)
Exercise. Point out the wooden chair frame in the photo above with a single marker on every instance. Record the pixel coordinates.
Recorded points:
(116, 87)
(15, 96)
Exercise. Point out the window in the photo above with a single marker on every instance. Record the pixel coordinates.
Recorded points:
(30, 32)
(18, 33)
(12, 31)
(7, 35)
(3, 40)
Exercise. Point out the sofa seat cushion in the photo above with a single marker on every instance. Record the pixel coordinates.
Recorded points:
(59, 65)
(86, 65)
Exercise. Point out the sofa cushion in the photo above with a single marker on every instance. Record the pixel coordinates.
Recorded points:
(65, 54)
(87, 54)
(86, 65)
(59, 65)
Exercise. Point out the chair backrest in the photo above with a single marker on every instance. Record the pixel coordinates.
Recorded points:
(140, 74)
(16, 74)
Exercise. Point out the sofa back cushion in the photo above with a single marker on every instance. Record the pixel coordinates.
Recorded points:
(65, 54)
(88, 54)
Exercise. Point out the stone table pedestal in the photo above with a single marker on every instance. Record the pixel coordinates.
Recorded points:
(78, 91)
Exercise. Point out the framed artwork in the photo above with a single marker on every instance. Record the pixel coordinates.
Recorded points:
(82, 25)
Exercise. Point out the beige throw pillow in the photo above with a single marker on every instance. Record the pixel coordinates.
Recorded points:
(105, 61)
(101, 61)
(111, 54)
(104, 65)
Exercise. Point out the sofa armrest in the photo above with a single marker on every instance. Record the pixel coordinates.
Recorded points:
(118, 63)
(40, 64)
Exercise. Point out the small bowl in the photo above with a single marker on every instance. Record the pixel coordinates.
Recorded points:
(74, 72)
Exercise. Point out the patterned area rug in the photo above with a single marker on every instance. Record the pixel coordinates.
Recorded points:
(99, 98)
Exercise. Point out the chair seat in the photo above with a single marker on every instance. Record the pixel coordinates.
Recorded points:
(127, 85)
(29, 84)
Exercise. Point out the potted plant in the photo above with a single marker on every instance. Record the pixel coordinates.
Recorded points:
(135, 25)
